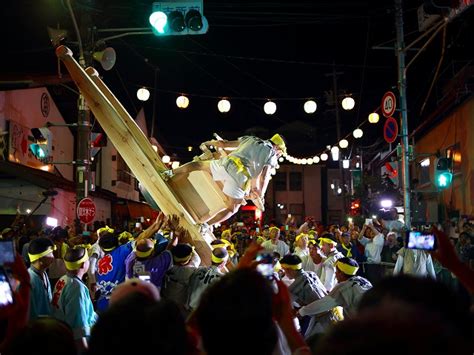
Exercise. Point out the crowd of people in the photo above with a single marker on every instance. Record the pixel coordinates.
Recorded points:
(278, 289)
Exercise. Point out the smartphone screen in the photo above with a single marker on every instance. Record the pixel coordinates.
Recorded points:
(144, 277)
(266, 264)
(257, 230)
(6, 293)
(368, 221)
(7, 251)
(420, 240)
(286, 227)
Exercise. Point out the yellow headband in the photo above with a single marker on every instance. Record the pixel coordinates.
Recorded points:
(144, 254)
(34, 257)
(108, 249)
(223, 245)
(292, 267)
(277, 266)
(272, 228)
(347, 269)
(85, 246)
(299, 236)
(217, 260)
(126, 235)
(74, 265)
(105, 229)
(327, 240)
(278, 140)
(184, 259)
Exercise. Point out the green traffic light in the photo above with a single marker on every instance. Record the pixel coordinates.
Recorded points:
(444, 179)
(158, 21)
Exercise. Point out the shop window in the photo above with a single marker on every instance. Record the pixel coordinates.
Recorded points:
(296, 181)
(279, 181)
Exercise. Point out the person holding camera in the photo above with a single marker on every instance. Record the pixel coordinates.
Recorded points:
(415, 262)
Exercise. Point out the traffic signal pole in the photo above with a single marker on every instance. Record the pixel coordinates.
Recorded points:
(400, 50)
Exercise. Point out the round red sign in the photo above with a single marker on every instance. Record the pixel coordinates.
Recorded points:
(390, 130)
(389, 104)
(86, 210)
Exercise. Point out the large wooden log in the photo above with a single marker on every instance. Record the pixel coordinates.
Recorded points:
(134, 148)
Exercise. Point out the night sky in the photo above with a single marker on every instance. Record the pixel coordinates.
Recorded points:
(253, 51)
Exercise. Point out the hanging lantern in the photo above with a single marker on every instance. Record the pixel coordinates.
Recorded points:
(358, 133)
(374, 117)
(343, 143)
(270, 107)
(310, 106)
(348, 103)
(223, 105)
(316, 159)
(143, 94)
(166, 159)
(324, 157)
(182, 102)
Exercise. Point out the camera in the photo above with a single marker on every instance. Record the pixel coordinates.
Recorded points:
(7, 251)
(266, 264)
(420, 240)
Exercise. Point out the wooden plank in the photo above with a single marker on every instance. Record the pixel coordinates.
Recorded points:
(134, 148)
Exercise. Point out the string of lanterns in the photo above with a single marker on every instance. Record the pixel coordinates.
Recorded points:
(310, 106)
(270, 107)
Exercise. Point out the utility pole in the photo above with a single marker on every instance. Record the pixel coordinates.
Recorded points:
(334, 75)
(83, 133)
(400, 50)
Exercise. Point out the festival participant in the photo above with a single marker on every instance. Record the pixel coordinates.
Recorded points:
(274, 244)
(111, 267)
(176, 281)
(71, 298)
(306, 288)
(325, 258)
(242, 174)
(205, 276)
(40, 252)
(346, 294)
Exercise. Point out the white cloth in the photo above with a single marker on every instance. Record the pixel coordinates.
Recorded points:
(281, 247)
(346, 294)
(414, 262)
(255, 154)
(373, 248)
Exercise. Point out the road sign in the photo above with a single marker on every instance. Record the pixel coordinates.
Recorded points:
(86, 210)
(389, 104)
(390, 130)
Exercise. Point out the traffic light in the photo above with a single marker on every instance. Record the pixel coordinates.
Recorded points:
(443, 175)
(177, 18)
(41, 146)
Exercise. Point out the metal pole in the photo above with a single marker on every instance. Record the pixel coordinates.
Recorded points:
(400, 50)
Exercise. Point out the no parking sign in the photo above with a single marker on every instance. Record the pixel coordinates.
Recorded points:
(390, 130)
